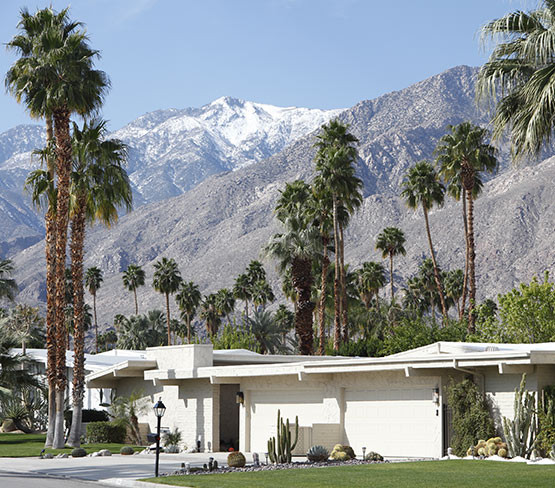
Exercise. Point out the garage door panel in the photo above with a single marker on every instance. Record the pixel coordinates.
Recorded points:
(393, 422)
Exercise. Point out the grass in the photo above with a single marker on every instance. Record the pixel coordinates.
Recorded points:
(428, 474)
(30, 445)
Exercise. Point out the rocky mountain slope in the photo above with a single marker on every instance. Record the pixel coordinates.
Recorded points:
(170, 151)
(216, 228)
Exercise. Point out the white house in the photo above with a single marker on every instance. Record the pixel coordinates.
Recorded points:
(395, 405)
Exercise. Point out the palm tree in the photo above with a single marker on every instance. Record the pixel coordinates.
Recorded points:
(166, 280)
(225, 302)
(55, 77)
(262, 294)
(242, 291)
(93, 280)
(8, 286)
(391, 241)
(370, 279)
(133, 277)
(188, 299)
(211, 314)
(454, 282)
(285, 319)
(256, 271)
(519, 77)
(422, 188)
(99, 185)
(267, 331)
(336, 173)
(296, 248)
(463, 155)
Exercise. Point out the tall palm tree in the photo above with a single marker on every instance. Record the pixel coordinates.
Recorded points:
(519, 77)
(211, 314)
(267, 331)
(93, 280)
(370, 279)
(256, 271)
(167, 279)
(335, 159)
(454, 281)
(422, 188)
(296, 248)
(262, 294)
(242, 291)
(391, 241)
(133, 277)
(99, 186)
(8, 286)
(225, 302)
(55, 77)
(463, 155)
(188, 299)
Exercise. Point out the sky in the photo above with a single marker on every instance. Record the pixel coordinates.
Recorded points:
(307, 53)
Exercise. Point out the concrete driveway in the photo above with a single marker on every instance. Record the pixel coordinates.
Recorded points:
(106, 469)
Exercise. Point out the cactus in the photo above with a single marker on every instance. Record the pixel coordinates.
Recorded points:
(317, 454)
(521, 433)
(236, 460)
(502, 453)
(373, 456)
(342, 453)
(340, 456)
(552, 453)
(281, 446)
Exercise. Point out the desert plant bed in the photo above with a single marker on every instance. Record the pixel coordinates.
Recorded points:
(31, 445)
(425, 474)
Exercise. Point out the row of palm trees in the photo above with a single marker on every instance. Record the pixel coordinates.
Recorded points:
(55, 78)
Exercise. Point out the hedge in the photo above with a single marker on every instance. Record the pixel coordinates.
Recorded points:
(87, 415)
(106, 433)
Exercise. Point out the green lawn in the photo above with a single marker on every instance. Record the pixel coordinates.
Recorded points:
(29, 445)
(431, 474)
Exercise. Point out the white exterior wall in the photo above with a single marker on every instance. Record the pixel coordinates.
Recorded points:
(191, 406)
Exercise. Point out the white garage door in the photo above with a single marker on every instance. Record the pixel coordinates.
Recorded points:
(265, 404)
(393, 422)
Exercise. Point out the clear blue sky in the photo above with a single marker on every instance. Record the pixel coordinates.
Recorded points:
(309, 53)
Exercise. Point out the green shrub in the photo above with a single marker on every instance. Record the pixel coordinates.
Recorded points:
(172, 438)
(106, 433)
(87, 415)
(127, 450)
(78, 452)
(236, 460)
(471, 417)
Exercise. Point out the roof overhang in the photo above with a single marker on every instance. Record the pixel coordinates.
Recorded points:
(107, 378)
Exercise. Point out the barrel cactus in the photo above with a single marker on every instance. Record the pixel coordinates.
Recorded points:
(78, 452)
(317, 454)
(236, 460)
(342, 453)
(502, 453)
(373, 456)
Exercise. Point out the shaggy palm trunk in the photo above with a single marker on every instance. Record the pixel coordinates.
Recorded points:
(50, 251)
(63, 166)
(436, 272)
(168, 318)
(188, 328)
(471, 264)
(77, 251)
(95, 323)
(301, 275)
(465, 279)
(344, 310)
(391, 275)
(336, 283)
(322, 304)
(136, 302)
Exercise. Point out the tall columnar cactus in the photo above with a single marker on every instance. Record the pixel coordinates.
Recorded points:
(522, 431)
(281, 446)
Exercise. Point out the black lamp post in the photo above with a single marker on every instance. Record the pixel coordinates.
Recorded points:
(159, 410)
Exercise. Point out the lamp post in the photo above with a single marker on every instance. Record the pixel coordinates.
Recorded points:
(159, 410)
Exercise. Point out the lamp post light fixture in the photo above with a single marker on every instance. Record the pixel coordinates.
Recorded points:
(240, 398)
(159, 410)
(266, 454)
(364, 453)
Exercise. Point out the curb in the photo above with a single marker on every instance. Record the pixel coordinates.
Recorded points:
(130, 483)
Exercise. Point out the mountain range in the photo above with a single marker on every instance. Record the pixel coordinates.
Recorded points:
(215, 228)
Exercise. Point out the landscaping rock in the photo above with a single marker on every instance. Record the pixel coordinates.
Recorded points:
(8, 426)
(62, 455)
(47, 455)
(104, 452)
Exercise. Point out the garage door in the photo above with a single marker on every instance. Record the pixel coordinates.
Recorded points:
(265, 404)
(394, 422)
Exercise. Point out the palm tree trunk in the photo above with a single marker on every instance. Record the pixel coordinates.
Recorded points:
(391, 276)
(188, 329)
(301, 275)
(471, 263)
(344, 310)
(50, 251)
(336, 283)
(436, 273)
(136, 302)
(95, 323)
(77, 252)
(168, 318)
(465, 279)
(323, 287)
(63, 166)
